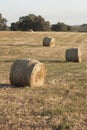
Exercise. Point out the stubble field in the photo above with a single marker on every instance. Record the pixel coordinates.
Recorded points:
(61, 103)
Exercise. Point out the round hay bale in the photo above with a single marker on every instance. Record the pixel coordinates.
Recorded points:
(48, 41)
(73, 55)
(30, 30)
(27, 72)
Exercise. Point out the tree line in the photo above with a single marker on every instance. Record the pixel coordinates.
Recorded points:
(38, 23)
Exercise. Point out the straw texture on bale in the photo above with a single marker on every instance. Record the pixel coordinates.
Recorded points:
(73, 55)
(27, 72)
(48, 41)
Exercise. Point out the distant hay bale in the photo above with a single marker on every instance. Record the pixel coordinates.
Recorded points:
(30, 30)
(48, 41)
(27, 72)
(73, 55)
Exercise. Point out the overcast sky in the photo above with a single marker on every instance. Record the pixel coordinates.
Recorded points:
(71, 12)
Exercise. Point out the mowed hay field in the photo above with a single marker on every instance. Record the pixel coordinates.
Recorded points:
(61, 103)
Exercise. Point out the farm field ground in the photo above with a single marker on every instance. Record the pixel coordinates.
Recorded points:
(61, 103)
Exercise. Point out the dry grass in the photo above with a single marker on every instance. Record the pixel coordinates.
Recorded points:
(61, 103)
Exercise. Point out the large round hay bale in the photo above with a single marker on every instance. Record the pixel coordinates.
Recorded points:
(48, 41)
(27, 72)
(73, 55)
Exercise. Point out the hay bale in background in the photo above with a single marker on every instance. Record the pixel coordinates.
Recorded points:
(30, 30)
(73, 55)
(27, 72)
(48, 41)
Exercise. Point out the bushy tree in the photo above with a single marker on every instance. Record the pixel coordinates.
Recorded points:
(83, 28)
(15, 26)
(60, 27)
(25, 23)
(40, 24)
(3, 22)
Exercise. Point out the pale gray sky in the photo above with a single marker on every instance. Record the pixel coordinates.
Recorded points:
(71, 12)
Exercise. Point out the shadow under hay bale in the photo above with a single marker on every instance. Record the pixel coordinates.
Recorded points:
(73, 55)
(27, 72)
(48, 41)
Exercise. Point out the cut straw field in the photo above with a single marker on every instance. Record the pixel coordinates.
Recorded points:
(61, 103)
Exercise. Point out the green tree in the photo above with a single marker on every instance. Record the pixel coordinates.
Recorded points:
(25, 23)
(40, 24)
(15, 26)
(60, 27)
(3, 22)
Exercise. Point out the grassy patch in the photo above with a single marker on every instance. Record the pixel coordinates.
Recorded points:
(52, 112)
(62, 101)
